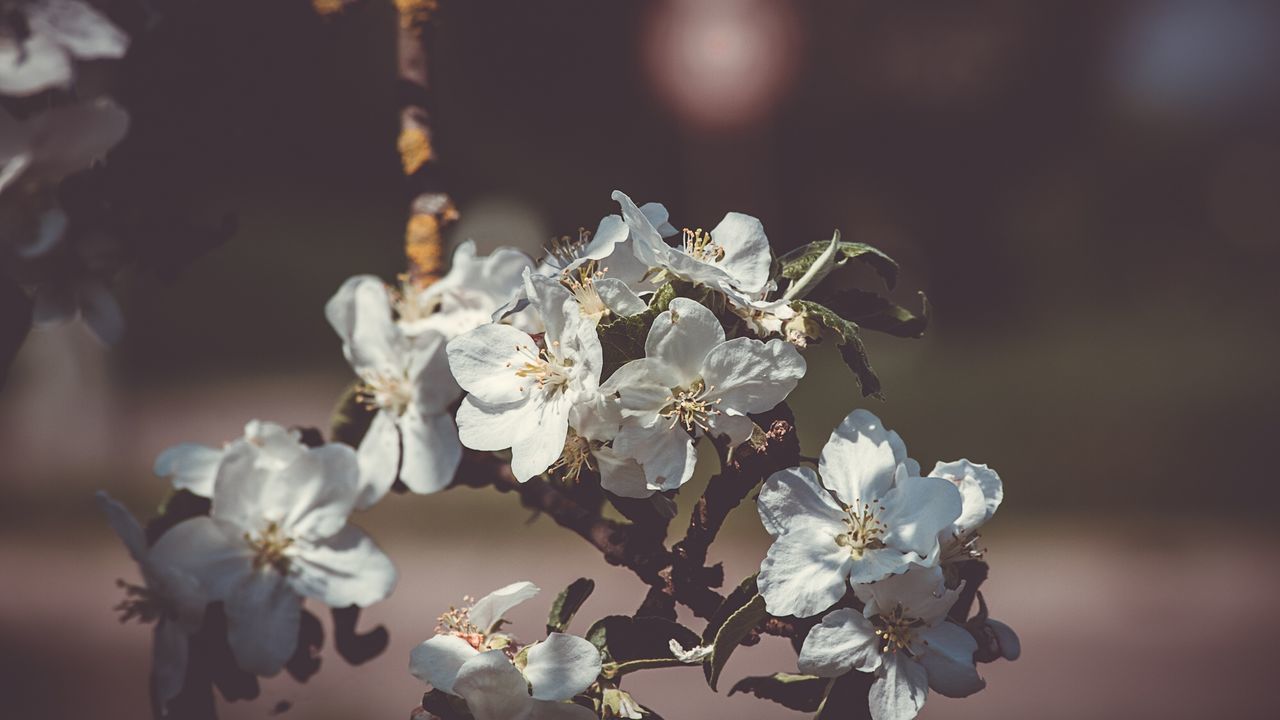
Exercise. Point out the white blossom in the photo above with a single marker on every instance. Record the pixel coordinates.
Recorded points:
(194, 467)
(405, 380)
(169, 595)
(734, 254)
(691, 382)
(902, 636)
(868, 517)
(468, 296)
(39, 56)
(469, 658)
(521, 391)
(273, 536)
(36, 154)
(981, 491)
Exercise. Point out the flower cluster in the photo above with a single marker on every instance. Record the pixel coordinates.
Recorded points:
(276, 532)
(870, 520)
(606, 365)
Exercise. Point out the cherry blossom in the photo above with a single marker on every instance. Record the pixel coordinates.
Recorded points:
(275, 535)
(864, 516)
(405, 380)
(692, 382)
(194, 467)
(902, 635)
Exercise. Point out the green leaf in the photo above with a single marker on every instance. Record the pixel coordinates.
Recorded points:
(848, 340)
(797, 692)
(622, 340)
(738, 597)
(737, 627)
(642, 643)
(846, 698)
(876, 312)
(351, 417)
(567, 604)
(798, 262)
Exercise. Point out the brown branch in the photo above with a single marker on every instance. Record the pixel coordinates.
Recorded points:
(431, 209)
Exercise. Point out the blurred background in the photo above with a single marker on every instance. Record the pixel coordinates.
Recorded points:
(1088, 192)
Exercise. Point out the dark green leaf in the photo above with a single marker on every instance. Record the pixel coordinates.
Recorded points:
(740, 596)
(848, 340)
(798, 692)
(445, 706)
(876, 312)
(846, 698)
(567, 604)
(639, 643)
(737, 627)
(351, 417)
(797, 262)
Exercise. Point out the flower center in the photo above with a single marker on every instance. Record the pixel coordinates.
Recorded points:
(582, 284)
(270, 548)
(864, 530)
(896, 632)
(691, 407)
(387, 391)
(575, 457)
(699, 245)
(549, 372)
(566, 249)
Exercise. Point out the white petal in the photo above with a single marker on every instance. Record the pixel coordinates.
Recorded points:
(643, 386)
(682, 336)
(263, 616)
(101, 312)
(489, 609)
(70, 138)
(437, 661)
(542, 442)
(379, 458)
(169, 647)
(493, 688)
(37, 64)
(667, 454)
(980, 487)
(432, 451)
(434, 387)
(647, 242)
(657, 215)
(360, 312)
(190, 466)
(211, 551)
(561, 666)
(843, 642)
(858, 461)
(751, 376)
(346, 569)
(746, 251)
(482, 426)
(313, 496)
(620, 475)
(804, 573)
(878, 564)
(920, 591)
(78, 27)
(619, 298)
(900, 692)
(916, 510)
(949, 660)
(552, 301)
(484, 363)
(794, 499)
(125, 525)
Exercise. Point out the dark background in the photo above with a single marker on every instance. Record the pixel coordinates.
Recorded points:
(1088, 192)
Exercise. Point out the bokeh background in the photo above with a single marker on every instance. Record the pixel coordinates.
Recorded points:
(1089, 192)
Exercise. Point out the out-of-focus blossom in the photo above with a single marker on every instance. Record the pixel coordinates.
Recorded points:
(194, 467)
(275, 535)
(39, 39)
(169, 595)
